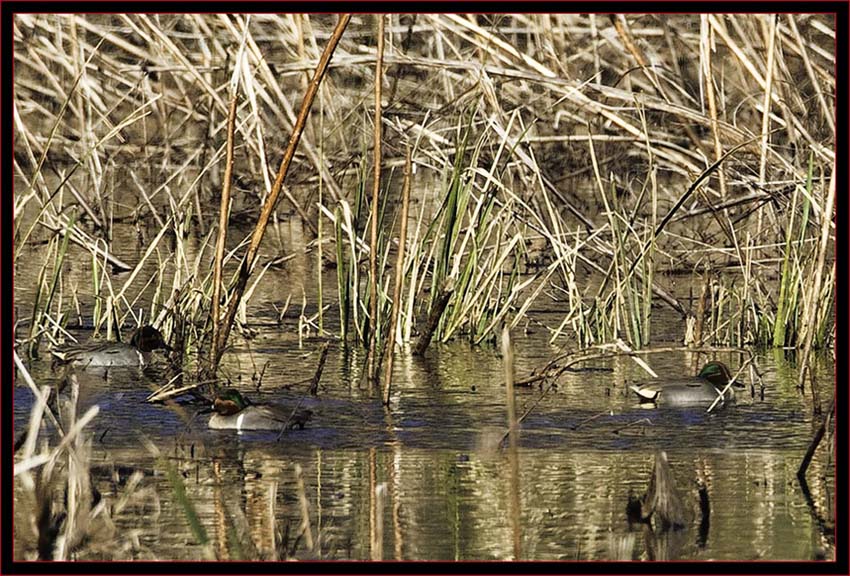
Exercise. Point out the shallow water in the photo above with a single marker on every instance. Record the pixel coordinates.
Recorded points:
(447, 490)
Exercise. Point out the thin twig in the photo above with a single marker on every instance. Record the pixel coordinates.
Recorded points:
(374, 280)
(260, 229)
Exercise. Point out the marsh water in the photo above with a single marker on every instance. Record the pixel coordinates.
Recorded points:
(429, 477)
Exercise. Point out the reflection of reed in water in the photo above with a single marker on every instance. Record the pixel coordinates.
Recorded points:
(260, 504)
(621, 546)
(249, 525)
(513, 439)
(663, 514)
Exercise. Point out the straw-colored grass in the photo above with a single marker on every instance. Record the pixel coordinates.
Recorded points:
(595, 152)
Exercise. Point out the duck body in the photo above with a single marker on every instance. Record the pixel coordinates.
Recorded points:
(704, 388)
(105, 354)
(232, 411)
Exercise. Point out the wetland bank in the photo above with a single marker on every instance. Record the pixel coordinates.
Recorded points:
(379, 221)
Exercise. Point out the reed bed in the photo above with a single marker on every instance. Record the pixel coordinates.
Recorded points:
(501, 163)
(585, 159)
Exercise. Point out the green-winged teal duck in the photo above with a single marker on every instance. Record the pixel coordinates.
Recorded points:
(135, 353)
(232, 411)
(702, 389)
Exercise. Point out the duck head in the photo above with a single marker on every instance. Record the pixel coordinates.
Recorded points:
(148, 339)
(717, 373)
(229, 402)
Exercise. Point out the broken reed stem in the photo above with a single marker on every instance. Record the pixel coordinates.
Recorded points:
(268, 207)
(434, 318)
(223, 215)
(376, 185)
(314, 383)
(399, 278)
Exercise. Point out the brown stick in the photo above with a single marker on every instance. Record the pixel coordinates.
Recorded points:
(376, 185)
(268, 207)
(399, 278)
(314, 384)
(223, 215)
(433, 320)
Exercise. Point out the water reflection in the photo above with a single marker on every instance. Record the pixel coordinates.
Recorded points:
(423, 482)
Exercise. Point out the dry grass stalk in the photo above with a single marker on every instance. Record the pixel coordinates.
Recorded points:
(374, 279)
(815, 301)
(399, 280)
(224, 207)
(268, 207)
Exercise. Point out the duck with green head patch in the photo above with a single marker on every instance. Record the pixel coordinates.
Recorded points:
(104, 354)
(232, 411)
(705, 388)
